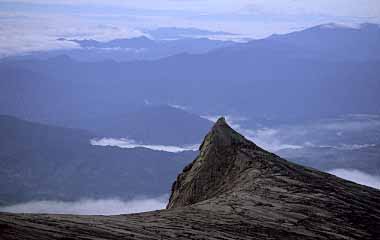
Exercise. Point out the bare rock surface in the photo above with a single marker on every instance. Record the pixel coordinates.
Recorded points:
(232, 190)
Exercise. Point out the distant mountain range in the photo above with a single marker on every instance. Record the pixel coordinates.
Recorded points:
(139, 48)
(332, 42)
(289, 77)
(151, 47)
(42, 162)
(34, 96)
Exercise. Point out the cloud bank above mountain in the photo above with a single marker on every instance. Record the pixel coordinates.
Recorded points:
(34, 25)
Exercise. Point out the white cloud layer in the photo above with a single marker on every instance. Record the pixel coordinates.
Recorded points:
(24, 33)
(344, 147)
(127, 143)
(181, 107)
(89, 207)
(358, 177)
(33, 25)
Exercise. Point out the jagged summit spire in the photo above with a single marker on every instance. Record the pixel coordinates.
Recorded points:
(222, 134)
(222, 126)
(221, 121)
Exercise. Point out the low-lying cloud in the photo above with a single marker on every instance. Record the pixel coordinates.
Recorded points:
(358, 177)
(352, 122)
(269, 138)
(90, 207)
(343, 147)
(127, 143)
(181, 107)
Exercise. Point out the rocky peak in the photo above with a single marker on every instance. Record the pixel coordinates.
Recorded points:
(216, 168)
(222, 134)
(234, 178)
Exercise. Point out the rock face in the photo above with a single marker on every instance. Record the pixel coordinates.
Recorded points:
(215, 170)
(232, 190)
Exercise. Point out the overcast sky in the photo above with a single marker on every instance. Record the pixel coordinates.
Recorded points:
(35, 24)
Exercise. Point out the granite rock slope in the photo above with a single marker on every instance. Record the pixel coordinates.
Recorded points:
(232, 190)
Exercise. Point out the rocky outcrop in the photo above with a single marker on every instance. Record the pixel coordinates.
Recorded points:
(216, 168)
(232, 190)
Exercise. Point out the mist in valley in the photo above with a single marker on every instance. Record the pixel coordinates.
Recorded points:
(90, 206)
